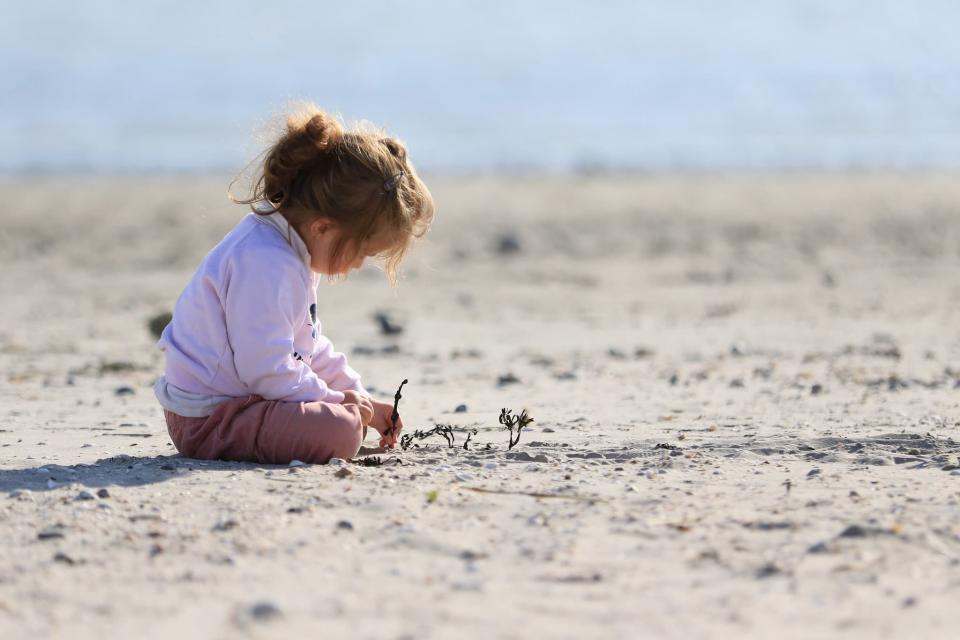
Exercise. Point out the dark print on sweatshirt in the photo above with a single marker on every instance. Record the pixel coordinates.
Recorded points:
(313, 320)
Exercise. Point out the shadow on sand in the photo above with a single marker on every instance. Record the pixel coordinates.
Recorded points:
(117, 471)
(124, 471)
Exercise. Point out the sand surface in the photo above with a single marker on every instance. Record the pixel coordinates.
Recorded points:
(744, 390)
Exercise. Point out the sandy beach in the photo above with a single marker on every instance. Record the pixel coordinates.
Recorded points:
(744, 390)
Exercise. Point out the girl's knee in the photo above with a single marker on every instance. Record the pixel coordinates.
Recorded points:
(347, 436)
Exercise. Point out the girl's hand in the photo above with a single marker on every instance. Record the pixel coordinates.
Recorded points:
(363, 403)
(382, 412)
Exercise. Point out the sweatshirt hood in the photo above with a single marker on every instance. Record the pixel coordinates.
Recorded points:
(280, 223)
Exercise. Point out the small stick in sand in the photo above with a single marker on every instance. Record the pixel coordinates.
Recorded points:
(396, 414)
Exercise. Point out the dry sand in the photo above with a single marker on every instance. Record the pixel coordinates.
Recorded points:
(744, 387)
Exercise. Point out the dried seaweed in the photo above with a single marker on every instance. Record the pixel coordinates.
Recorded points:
(369, 461)
(444, 430)
(512, 422)
(470, 434)
(667, 446)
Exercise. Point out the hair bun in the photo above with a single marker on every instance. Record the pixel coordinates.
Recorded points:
(322, 130)
(396, 148)
(309, 137)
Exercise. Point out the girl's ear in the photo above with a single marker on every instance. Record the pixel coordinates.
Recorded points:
(320, 226)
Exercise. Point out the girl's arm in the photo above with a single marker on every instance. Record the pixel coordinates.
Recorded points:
(332, 367)
(264, 298)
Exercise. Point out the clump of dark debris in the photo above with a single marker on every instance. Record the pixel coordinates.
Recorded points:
(514, 423)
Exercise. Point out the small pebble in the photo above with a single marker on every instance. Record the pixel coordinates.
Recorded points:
(463, 476)
(85, 495)
(461, 408)
(124, 391)
(264, 610)
(60, 556)
(768, 570)
(346, 525)
(297, 463)
(337, 462)
(507, 244)
(537, 520)
(103, 493)
(854, 531)
(49, 534)
(507, 378)
(343, 473)
(225, 525)
(490, 465)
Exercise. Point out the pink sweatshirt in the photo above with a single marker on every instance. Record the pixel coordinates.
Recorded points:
(247, 324)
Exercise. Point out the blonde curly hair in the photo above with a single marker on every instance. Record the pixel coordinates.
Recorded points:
(360, 178)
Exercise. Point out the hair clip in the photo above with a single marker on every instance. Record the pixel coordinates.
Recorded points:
(391, 183)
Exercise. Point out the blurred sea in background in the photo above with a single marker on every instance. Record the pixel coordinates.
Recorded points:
(498, 85)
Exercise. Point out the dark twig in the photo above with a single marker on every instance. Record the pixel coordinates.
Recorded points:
(369, 461)
(396, 414)
(470, 434)
(512, 422)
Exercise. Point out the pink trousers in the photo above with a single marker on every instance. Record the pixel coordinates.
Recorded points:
(252, 429)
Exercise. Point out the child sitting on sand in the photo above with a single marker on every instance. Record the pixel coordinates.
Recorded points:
(249, 375)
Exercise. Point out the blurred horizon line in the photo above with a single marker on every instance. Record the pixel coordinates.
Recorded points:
(532, 172)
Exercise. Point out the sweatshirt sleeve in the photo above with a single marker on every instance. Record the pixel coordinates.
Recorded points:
(332, 367)
(264, 295)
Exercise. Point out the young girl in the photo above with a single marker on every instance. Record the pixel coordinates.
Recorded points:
(249, 375)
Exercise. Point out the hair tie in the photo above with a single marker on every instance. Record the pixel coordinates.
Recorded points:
(391, 183)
